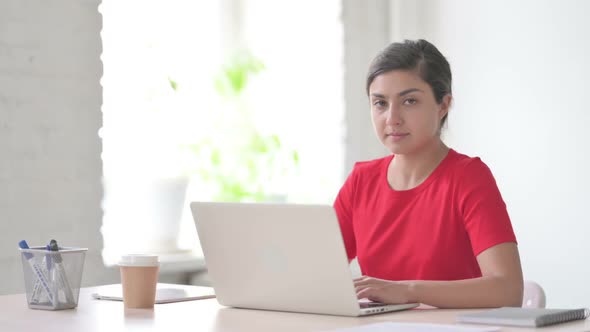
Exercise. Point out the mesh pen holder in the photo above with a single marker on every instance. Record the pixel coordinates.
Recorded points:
(52, 278)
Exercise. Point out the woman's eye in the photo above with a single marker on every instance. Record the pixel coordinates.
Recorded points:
(410, 101)
(379, 103)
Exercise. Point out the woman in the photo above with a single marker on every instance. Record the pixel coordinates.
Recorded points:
(427, 223)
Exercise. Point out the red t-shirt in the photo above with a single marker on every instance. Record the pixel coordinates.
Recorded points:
(431, 232)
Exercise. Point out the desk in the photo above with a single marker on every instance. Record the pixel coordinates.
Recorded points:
(204, 315)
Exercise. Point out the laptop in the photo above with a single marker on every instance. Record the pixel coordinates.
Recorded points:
(283, 257)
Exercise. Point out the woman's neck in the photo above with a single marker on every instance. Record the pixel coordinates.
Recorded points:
(407, 171)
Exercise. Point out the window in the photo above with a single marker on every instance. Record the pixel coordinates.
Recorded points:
(230, 100)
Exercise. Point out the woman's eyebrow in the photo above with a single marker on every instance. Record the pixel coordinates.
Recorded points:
(405, 92)
(378, 95)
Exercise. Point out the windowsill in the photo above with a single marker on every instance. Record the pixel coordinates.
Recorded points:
(184, 262)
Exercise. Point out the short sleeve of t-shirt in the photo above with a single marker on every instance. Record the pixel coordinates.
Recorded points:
(482, 207)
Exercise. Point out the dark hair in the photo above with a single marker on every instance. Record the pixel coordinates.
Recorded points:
(418, 55)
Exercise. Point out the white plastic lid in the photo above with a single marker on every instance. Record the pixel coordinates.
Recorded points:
(139, 260)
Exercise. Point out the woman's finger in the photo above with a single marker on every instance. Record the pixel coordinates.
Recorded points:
(364, 293)
(359, 288)
(371, 294)
(363, 281)
(360, 283)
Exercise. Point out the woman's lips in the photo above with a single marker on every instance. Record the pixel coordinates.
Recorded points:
(398, 136)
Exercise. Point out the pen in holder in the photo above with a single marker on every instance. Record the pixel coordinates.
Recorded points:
(52, 278)
(59, 277)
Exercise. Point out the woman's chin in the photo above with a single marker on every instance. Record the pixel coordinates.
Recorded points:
(397, 148)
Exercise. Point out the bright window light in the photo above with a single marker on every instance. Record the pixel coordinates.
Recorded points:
(229, 100)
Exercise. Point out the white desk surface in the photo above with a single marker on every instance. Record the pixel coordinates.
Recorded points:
(205, 315)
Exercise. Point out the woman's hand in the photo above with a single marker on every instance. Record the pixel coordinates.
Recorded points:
(384, 291)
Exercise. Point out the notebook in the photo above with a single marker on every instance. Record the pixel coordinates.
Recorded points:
(526, 317)
(415, 327)
(165, 293)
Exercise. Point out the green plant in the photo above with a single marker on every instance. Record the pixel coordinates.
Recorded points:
(234, 76)
(251, 166)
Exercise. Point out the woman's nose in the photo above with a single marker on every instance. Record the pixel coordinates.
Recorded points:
(393, 117)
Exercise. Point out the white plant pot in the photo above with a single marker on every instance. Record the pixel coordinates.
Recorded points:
(143, 215)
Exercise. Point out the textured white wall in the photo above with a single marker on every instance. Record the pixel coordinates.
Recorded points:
(50, 99)
(521, 76)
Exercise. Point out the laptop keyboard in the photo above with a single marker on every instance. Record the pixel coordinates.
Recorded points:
(364, 305)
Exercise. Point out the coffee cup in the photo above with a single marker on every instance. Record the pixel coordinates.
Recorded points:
(139, 277)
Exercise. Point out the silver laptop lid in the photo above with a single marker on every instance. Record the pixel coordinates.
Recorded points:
(276, 256)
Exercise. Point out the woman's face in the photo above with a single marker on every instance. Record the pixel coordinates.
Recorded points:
(405, 114)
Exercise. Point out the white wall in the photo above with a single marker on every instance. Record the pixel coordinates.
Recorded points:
(521, 79)
(366, 31)
(50, 98)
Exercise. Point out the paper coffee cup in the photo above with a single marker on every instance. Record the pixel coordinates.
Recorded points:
(139, 276)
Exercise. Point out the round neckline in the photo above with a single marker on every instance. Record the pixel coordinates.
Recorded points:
(433, 176)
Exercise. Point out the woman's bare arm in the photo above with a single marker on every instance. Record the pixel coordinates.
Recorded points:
(501, 284)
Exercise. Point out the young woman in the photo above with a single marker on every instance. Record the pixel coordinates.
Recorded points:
(427, 223)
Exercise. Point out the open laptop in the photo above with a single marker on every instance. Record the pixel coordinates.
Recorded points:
(282, 257)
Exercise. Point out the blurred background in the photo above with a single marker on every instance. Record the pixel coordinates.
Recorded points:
(115, 114)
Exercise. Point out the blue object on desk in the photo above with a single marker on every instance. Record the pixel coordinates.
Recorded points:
(41, 277)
